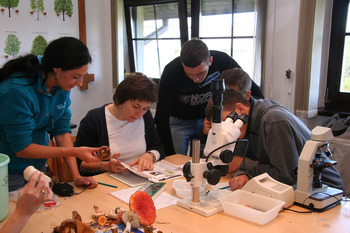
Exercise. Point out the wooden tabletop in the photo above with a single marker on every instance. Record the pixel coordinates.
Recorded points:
(179, 220)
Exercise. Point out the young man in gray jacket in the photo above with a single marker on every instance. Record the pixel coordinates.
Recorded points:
(276, 138)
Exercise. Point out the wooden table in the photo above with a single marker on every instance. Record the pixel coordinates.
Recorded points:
(179, 220)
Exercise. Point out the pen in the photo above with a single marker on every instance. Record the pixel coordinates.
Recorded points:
(108, 185)
(226, 187)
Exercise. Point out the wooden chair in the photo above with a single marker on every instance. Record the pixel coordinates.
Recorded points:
(58, 167)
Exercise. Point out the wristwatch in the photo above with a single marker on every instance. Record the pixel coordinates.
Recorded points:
(152, 154)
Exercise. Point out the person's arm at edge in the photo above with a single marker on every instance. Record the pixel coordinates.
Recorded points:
(30, 197)
(65, 140)
(162, 115)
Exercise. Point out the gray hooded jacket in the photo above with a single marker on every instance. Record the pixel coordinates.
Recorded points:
(276, 138)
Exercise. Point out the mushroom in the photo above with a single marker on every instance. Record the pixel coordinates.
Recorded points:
(76, 216)
(142, 204)
(66, 226)
(98, 213)
(116, 214)
(104, 153)
(131, 220)
(75, 224)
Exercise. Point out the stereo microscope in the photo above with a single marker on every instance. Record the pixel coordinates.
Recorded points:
(219, 153)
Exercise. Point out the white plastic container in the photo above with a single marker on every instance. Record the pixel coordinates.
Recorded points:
(4, 186)
(184, 189)
(250, 206)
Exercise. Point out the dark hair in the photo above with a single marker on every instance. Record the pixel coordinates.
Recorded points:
(237, 77)
(194, 52)
(66, 53)
(136, 87)
(230, 98)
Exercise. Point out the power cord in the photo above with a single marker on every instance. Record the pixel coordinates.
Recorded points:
(244, 153)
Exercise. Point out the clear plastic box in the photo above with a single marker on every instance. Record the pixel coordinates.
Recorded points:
(250, 206)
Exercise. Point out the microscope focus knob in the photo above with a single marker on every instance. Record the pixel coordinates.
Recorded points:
(187, 171)
(213, 176)
(226, 156)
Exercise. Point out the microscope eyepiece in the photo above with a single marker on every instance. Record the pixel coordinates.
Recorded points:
(217, 89)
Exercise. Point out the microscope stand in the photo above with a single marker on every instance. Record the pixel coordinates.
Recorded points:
(207, 205)
(319, 200)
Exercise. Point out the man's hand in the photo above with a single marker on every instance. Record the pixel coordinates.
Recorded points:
(206, 126)
(89, 182)
(238, 182)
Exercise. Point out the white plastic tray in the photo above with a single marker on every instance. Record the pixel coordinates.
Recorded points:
(250, 206)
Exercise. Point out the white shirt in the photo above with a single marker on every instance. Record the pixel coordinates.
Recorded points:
(126, 138)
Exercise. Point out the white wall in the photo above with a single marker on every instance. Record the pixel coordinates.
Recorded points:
(98, 33)
(281, 50)
(281, 53)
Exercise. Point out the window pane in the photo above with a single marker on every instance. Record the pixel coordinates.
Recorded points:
(169, 15)
(163, 17)
(243, 50)
(244, 24)
(243, 53)
(143, 21)
(148, 61)
(147, 58)
(168, 50)
(169, 29)
(345, 74)
(216, 25)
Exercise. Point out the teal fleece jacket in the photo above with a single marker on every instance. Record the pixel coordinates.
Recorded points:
(27, 113)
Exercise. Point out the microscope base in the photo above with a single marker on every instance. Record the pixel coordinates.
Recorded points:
(319, 200)
(206, 206)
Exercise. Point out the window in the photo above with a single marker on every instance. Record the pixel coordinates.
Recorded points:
(157, 29)
(338, 80)
(230, 29)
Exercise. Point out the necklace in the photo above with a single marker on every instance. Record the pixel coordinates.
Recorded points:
(118, 124)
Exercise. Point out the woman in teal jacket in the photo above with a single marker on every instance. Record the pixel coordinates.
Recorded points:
(34, 93)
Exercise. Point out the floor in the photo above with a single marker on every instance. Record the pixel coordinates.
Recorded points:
(313, 122)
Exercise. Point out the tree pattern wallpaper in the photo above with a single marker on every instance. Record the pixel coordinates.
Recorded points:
(27, 26)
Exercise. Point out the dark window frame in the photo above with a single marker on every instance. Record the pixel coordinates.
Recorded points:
(335, 101)
(128, 4)
(195, 13)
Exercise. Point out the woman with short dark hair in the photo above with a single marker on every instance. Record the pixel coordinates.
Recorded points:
(126, 126)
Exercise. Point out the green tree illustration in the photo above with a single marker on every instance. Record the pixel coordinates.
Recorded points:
(9, 4)
(65, 7)
(12, 45)
(37, 6)
(39, 45)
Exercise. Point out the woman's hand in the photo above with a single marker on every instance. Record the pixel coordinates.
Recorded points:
(114, 165)
(238, 182)
(145, 162)
(88, 181)
(87, 154)
(29, 199)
